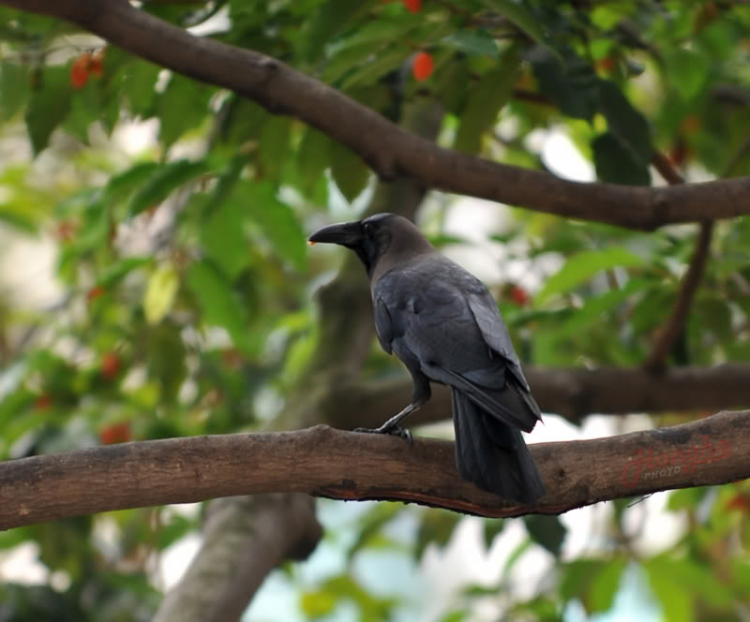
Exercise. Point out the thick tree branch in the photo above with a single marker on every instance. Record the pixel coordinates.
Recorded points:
(388, 149)
(572, 393)
(342, 465)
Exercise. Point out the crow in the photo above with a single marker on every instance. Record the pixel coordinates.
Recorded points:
(444, 325)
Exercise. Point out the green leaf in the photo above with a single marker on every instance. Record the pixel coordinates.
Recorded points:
(117, 271)
(163, 182)
(581, 267)
(624, 121)
(139, 79)
(595, 308)
(676, 600)
(243, 120)
(183, 105)
(473, 43)
(577, 577)
(605, 585)
(492, 527)
(177, 528)
(330, 18)
(454, 72)
(161, 292)
(521, 16)
(223, 237)
(220, 305)
(547, 531)
(607, 16)
(454, 616)
(372, 524)
(688, 71)
(166, 358)
(313, 158)
(274, 145)
(14, 88)
(616, 163)
(436, 527)
(379, 65)
(126, 182)
(279, 224)
(317, 604)
(516, 555)
(349, 171)
(568, 81)
(485, 102)
(48, 106)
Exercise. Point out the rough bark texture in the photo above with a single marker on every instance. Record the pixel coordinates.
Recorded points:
(391, 151)
(323, 461)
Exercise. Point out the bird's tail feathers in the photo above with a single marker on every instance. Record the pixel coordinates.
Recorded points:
(510, 404)
(492, 454)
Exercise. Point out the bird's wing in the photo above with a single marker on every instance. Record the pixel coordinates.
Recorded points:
(494, 331)
(383, 324)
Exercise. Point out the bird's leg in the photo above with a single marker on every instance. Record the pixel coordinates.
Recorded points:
(420, 395)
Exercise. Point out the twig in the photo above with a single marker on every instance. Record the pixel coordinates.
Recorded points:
(668, 335)
(735, 160)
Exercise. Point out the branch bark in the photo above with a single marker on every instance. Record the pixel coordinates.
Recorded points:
(388, 149)
(322, 461)
(572, 393)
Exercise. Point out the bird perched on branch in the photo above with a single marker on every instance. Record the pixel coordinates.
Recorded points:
(445, 327)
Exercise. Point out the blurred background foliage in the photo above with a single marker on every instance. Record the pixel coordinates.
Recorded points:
(175, 215)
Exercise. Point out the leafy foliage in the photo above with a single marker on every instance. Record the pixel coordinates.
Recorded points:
(185, 306)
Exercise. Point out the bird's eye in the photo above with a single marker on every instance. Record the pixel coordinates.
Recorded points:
(367, 228)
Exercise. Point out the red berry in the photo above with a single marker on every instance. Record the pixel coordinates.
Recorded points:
(422, 66)
(413, 5)
(520, 296)
(691, 124)
(43, 402)
(115, 433)
(606, 64)
(110, 365)
(94, 293)
(80, 70)
(739, 502)
(65, 230)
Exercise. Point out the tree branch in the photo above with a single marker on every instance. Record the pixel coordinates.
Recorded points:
(388, 149)
(670, 332)
(667, 336)
(572, 393)
(342, 465)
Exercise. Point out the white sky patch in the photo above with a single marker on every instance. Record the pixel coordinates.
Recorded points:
(562, 157)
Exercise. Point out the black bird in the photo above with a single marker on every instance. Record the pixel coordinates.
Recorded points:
(445, 327)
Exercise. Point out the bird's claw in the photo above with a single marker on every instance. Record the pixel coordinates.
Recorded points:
(394, 430)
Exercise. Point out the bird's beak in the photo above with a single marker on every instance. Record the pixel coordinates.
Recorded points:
(343, 233)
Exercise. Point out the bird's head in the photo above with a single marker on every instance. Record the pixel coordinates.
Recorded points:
(373, 237)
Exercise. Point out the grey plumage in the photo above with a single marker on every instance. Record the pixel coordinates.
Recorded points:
(443, 324)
